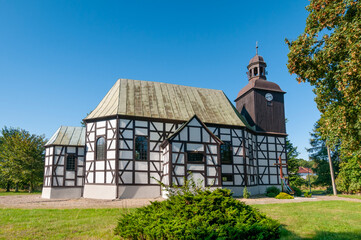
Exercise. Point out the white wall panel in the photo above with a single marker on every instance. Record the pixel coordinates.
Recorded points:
(237, 160)
(195, 134)
(127, 134)
(100, 131)
(59, 170)
(58, 150)
(196, 167)
(99, 177)
(99, 165)
(141, 177)
(124, 122)
(125, 165)
(127, 177)
(111, 154)
(100, 124)
(206, 136)
(71, 150)
(141, 131)
(225, 137)
(226, 168)
(195, 147)
(70, 174)
(123, 154)
(141, 165)
(109, 177)
(155, 156)
(211, 171)
(225, 130)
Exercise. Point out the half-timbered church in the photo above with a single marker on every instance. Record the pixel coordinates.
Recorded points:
(143, 132)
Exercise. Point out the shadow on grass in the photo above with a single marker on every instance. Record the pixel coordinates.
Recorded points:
(321, 235)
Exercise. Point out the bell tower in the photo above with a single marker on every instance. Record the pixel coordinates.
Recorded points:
(261, 102)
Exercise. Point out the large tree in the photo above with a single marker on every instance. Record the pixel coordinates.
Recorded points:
(293, 164)
(318, 155)
(22, 157)
(328, 56)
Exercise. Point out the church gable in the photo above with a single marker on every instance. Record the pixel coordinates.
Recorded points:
(194, 131)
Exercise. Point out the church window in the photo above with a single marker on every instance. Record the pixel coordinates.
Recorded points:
(255, 71)
(226, 152)
(252, 178)
(250, 154)
(227, 177)
(195, 156)
(141, 148)
(100, 149)
(261, 71)
(70, 162)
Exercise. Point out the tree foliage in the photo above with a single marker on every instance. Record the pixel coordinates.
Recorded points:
(21, 157)
(318, 154)
(327, 55)
(293, 164)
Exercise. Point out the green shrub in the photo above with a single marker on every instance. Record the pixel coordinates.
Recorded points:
(308, 194)
(272, 191)
(297, 191)
(246, 193)
(284, 195)
(195, 213)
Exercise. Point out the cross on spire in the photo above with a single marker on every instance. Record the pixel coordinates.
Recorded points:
(256, 47)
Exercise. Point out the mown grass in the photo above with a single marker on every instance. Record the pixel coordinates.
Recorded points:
(317, 220)
(4, 193)
(305, 220)
(350, 196)
(58, 223)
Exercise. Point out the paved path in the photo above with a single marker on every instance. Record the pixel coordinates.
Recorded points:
(35, 201)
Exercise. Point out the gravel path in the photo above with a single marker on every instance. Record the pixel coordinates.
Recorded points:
(35, 201)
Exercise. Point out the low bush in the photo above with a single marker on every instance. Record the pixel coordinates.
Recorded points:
(246, 193)
(272, 191)
(284, 195)
(298, 192)
(195, 213)
(308, 194)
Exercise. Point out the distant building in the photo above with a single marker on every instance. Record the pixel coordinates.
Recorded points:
(144, 131)
(303, 172)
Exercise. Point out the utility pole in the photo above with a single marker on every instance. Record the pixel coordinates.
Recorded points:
(331, 171)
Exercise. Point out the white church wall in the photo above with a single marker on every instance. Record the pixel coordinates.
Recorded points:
(194, 138)
(56, 173)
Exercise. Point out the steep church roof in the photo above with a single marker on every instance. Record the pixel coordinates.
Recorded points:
(166, 101)
(68, 136)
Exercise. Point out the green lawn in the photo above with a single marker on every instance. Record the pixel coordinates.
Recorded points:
(58, 223)
(317, 220)
(350, 196)
(307, 220)
(3, 193)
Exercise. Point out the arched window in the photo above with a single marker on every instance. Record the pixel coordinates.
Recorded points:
(255, 71)
(141, 148)
(100, 149)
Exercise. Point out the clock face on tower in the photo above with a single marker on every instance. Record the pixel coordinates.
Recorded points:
(269, 97)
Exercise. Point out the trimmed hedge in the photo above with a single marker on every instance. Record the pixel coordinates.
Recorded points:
(272, 191)
(284, 195)
(195, 213)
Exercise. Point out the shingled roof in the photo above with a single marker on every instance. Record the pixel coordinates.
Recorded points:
(166, 101)
(68, 136)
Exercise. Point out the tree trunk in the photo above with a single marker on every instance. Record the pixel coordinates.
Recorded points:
(17, 187)
(8, 186)
(331, 172)
(31, 187)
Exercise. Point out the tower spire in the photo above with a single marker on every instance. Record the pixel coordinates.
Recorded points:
(256, 47)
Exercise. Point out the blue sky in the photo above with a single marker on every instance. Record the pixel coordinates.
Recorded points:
(59, 58)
